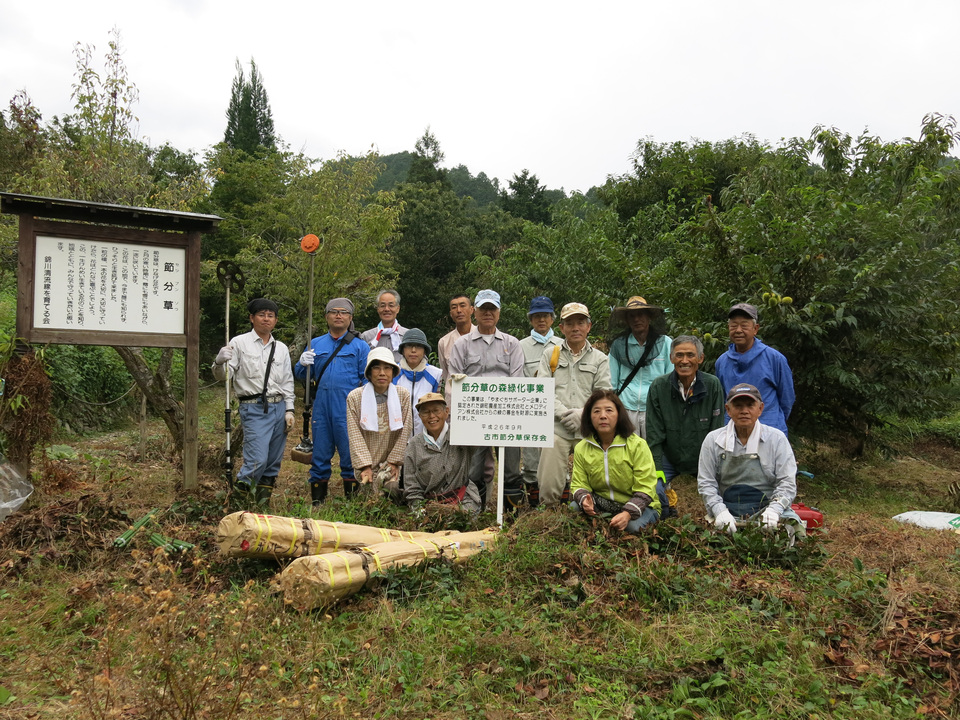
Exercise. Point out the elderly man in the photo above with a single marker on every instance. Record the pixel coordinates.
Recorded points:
(338, 367)
(748, 360)
(259, 367)
(577, 369)
(483, 353)
(388, 333)
(461, 312)
(433, 469)
(541, 339)
(747, 469)
(682, 407)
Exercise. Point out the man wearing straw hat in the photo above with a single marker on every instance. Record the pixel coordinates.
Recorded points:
(638, 355)
(259, 367)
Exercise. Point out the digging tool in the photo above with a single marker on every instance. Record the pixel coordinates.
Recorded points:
(303, 453)
(231, 277)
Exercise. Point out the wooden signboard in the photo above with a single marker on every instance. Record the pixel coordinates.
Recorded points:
(99, 274)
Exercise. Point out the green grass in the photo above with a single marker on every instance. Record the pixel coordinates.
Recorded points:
(559, 620)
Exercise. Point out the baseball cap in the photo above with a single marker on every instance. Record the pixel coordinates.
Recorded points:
(744, 390)
(487, 297)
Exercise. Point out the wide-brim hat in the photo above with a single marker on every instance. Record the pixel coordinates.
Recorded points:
(384, 355)
(636, 303)
(429, 398)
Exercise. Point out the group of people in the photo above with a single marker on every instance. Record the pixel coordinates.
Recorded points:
(633, 419)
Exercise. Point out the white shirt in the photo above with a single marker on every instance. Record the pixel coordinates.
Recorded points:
(249, 364)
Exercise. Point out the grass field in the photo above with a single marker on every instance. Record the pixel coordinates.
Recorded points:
(561, 620)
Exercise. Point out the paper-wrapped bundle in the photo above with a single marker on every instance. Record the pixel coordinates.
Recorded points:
(321, 580)
(246, 534)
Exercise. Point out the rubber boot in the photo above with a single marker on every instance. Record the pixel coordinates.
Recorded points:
(264, 491)
(533, 495)
(351, 486)
(565, 496)
(318, 492)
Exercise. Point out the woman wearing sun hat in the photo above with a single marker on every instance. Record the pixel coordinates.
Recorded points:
(638, 355)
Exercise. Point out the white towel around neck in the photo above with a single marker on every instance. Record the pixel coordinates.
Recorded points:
(368, 409)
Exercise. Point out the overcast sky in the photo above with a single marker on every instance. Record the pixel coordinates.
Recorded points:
(564, 89)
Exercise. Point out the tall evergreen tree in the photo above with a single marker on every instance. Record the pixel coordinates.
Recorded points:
(526, 198)
(427, 157)
(249, 118)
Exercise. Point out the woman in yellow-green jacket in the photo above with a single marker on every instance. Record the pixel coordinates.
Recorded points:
(613, 470)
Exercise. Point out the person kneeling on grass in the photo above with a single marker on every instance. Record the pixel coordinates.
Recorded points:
(613, 470)
(433, 469)
(747, 469)
(379, 423)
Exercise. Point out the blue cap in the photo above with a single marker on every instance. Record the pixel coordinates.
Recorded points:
(540, 304)
(487, 297)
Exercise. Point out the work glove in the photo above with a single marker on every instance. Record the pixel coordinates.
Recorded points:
(307, 357)
(571, 421)
(224, 356)
(458, 377)
(769, 519)
(725, 521)
(288, 419)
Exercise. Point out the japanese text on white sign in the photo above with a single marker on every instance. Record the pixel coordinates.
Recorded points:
(99, 285)
(504, 412)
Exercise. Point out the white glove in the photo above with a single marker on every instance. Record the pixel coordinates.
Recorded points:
(571, 420)
(307, 357)
(725, 521)
(288, 419)
(224, 356)
(769, 519)
(458, 377)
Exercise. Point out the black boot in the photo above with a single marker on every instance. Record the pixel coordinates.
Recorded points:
(565, 495)
(533, 495)
(264, 491)
(318, 492)
(351, 486)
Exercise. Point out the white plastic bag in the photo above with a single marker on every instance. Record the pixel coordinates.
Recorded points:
(14, 490)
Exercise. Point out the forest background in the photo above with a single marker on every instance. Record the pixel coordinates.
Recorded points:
(848, 245)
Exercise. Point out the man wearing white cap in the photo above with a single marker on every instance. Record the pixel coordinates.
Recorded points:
(577, 369)
(747, 471)
(487, 352)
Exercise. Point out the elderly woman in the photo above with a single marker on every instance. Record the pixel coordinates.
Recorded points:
(613, 470)
(379, 423)
(434, 470)
(638, 355)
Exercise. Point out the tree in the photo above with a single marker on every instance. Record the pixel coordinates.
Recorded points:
(425, 167)
(93, 154)
(853, 264)
(526, 198)
(249, 118)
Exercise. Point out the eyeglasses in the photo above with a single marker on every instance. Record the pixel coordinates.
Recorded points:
(432, 410)
(337, 311)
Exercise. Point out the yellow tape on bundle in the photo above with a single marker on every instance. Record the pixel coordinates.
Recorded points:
(346, 566)
(337, 531)
(414, 542)
(330, 569)
(319, 531)
(384, 534)
(376, 558)
(293, 540)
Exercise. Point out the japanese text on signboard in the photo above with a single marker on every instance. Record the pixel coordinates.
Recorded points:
(99, 285)
(509, 412)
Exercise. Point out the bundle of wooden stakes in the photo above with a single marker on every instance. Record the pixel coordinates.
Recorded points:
(334, 560)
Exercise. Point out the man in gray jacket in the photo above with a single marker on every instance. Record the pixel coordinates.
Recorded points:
(577, 370)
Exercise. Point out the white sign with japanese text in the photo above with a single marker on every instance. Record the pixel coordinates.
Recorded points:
(110, 286)
(502, 412)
